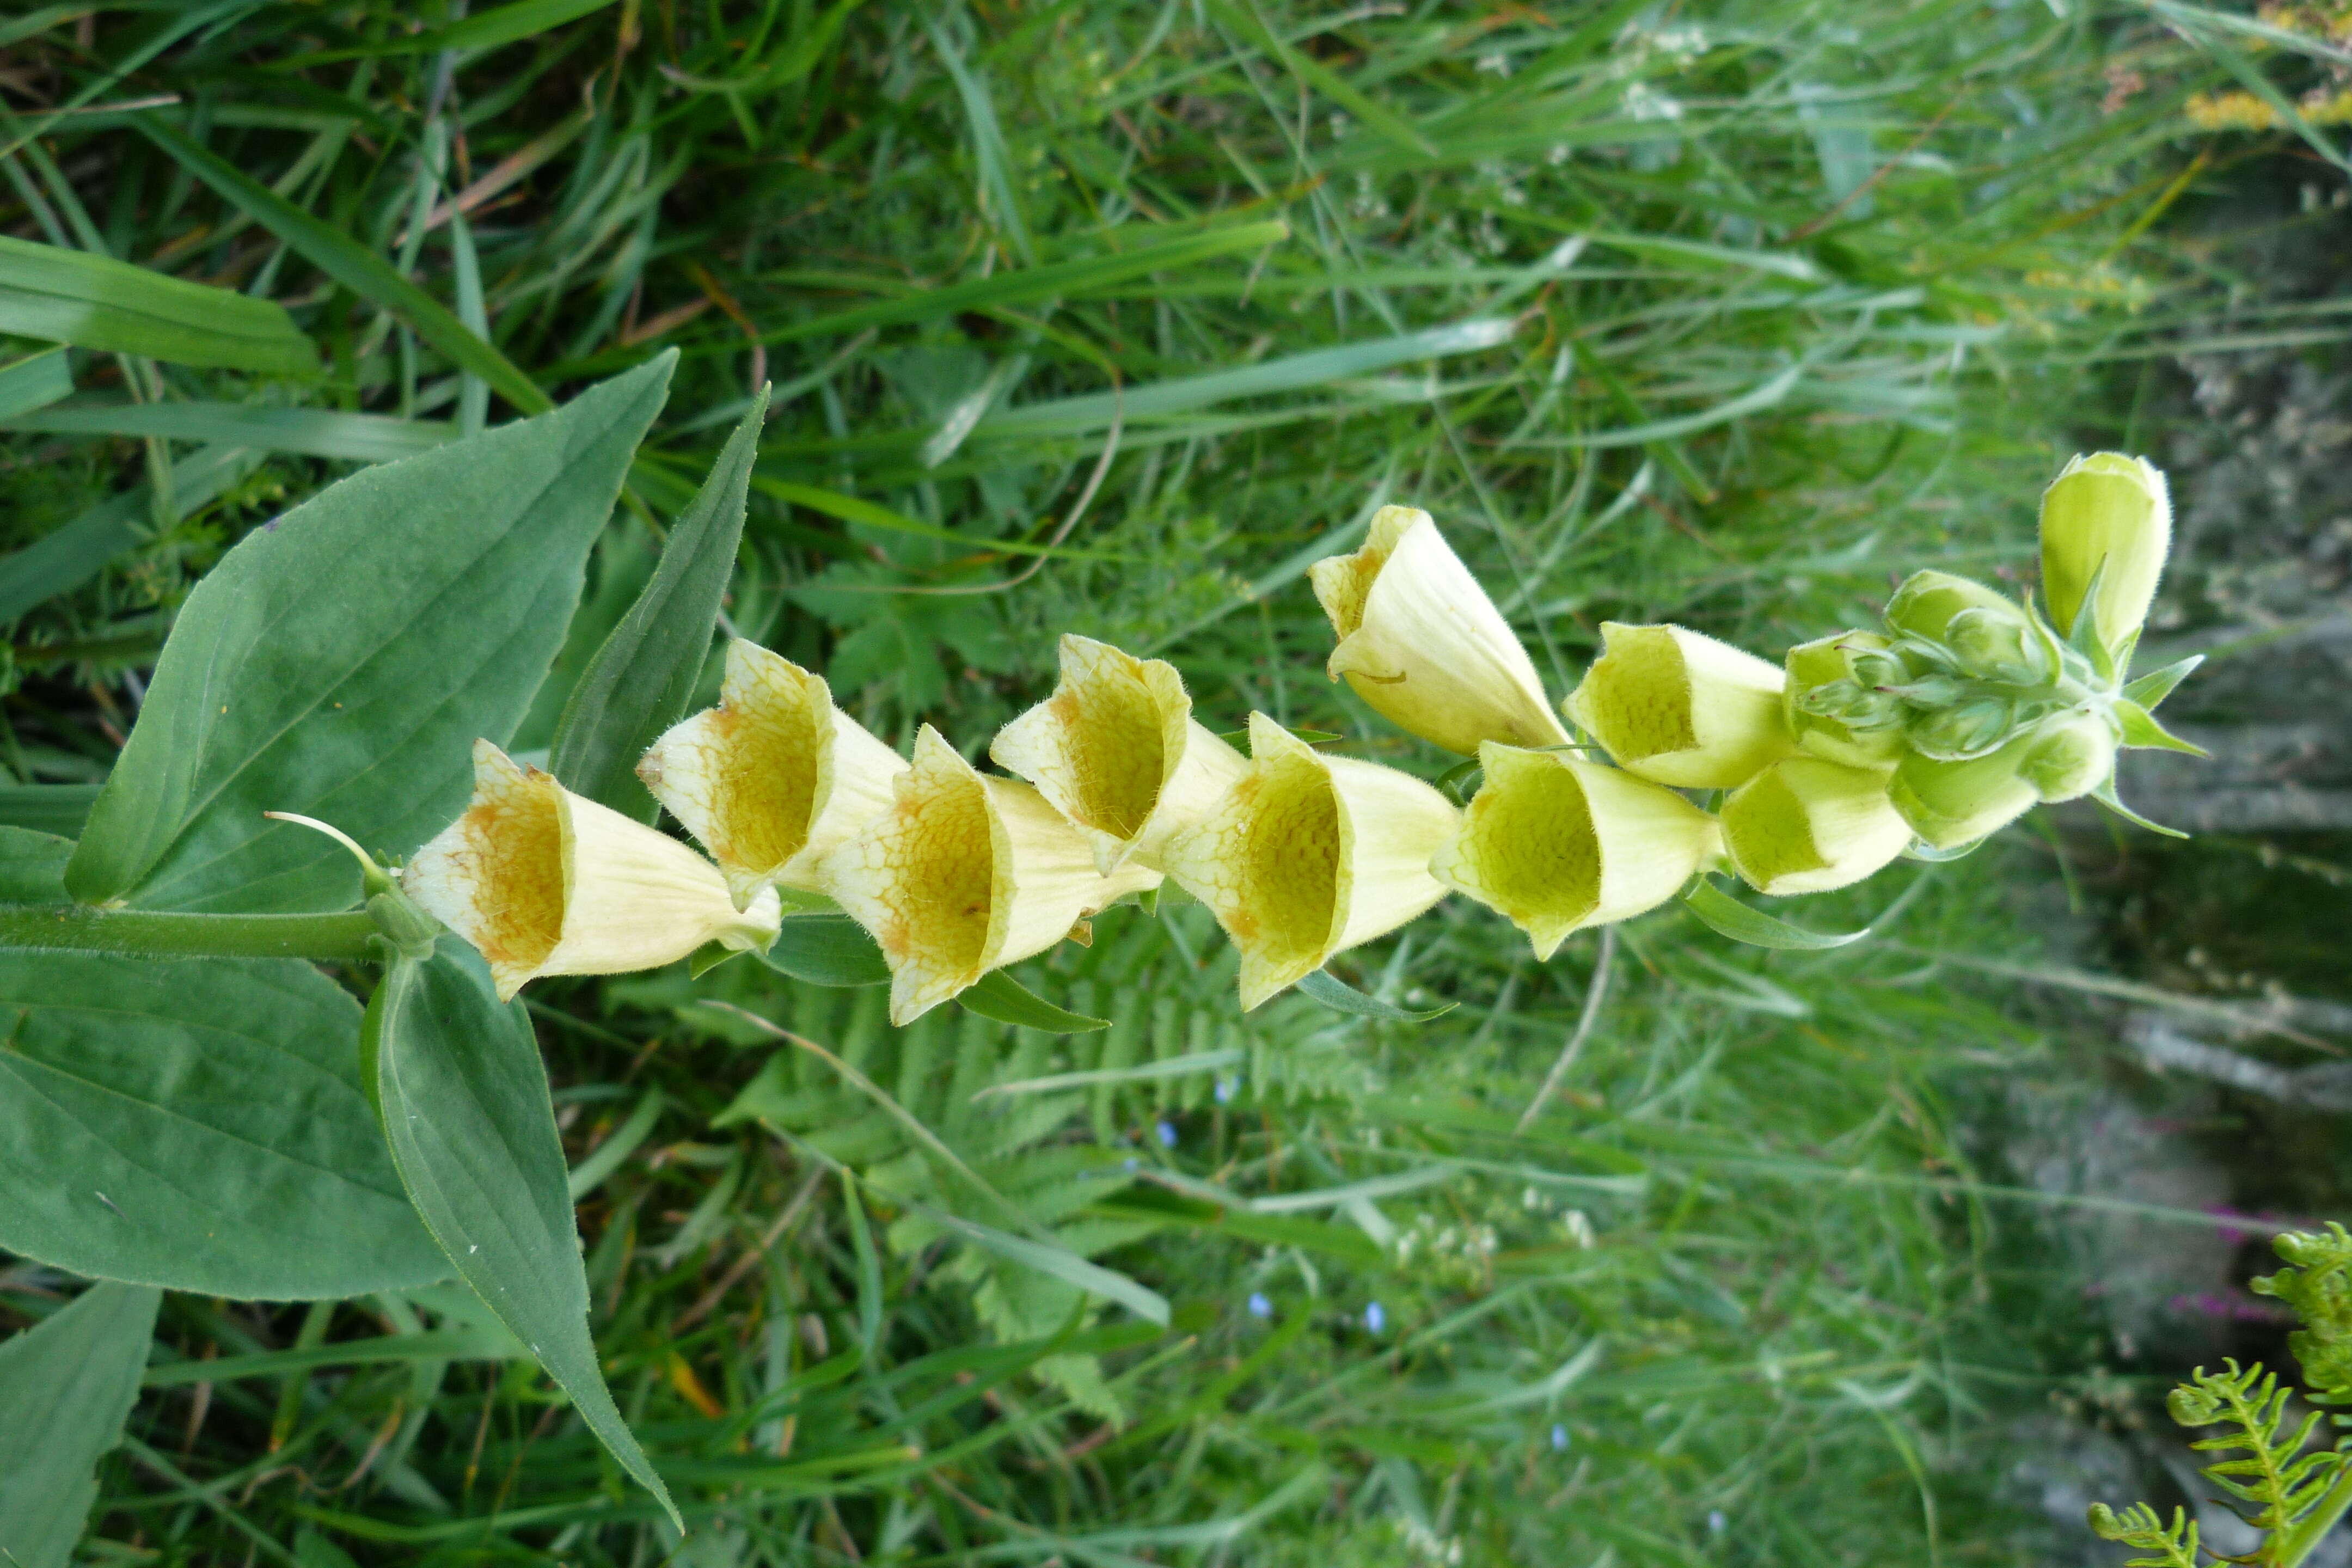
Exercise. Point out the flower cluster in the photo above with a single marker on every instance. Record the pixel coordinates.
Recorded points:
(1921, 737)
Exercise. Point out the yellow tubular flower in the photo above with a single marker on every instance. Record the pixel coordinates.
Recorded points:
(1558, 845)
(1951, 804)
(545, 882)
(1805, 826)
(2110, 516)
(1421, 642)
(775, 776)
(962, 874)
(1679, 708)
(1308, 855)
(1117, 751)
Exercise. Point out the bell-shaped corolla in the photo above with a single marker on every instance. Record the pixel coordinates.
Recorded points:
(1806, 826)
(1678, 707)
(1421, 643)
(1950, 803)
(546, 882)
(1115, 749)
(1836, 702)
(775, 776)
(1556, 844)
(1308, 855)
(963, 873)
(2109, 517)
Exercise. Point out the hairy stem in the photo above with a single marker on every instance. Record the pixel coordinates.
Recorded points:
(146, 933)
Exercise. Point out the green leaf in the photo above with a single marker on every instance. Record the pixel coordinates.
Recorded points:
(311, 432)
(464, 1103)
(65, 1386)
(513, 23)
(69, 556)
(2151, 690)
(340, 662)
(32, 867)
(826, 950)
(197, 1126)
(641, 679)
(2142, 732)
(1312, 73)
(1726, 916)
(2105, 795)
(1057, 1261)
(35, 382)
(94, 302)
(1342, 997)
(1000, 996)
(334, 252)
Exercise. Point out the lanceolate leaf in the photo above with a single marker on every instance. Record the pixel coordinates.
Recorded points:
(2105, 795)
(65, 1386)
(2153, 688)
(198, 1126)
(640, 681)
(96, 302)
(1000, 996)
(342, 661)
(826, 950)
(1342, 997)
(2141, 729)
(48, 808)
(35, 382)
(1726, 916)
(464, 1103)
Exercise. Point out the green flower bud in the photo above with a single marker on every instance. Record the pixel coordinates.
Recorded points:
(1558, 845)
(1949, 804)
(1805, 826)
(2107, 516)
(1967, 729)
(1927, 603)
(1677, 708)
(1834, 704)
(2072, 754)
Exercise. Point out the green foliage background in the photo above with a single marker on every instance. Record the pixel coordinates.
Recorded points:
(1793, 297)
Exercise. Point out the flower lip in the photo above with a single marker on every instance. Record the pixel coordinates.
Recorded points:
(1115, 749)
(965, 873)
(1308, 855)
(544, 881)
(1423, 645)
(773, 778)
(1556, 844)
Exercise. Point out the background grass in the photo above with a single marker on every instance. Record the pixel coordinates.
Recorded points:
(1730, 313)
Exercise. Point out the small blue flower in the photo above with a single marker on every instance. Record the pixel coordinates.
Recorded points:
(1131, 1163)
(1558, 1438)
(1375, 1320)
(1716, 1521)
(1167, 1131)
(1259, 1306)
(1224, 1090)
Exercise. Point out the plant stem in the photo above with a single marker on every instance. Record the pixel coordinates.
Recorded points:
(147, 933)
(2297, 1543)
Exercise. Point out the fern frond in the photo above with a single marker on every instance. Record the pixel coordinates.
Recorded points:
(2319, 1290)
(2142, 1528)
(2275, 1474)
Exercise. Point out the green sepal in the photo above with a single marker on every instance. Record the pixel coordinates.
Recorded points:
(2141, 731)
(826, 950)
(1726, 916)
(1459, 783)
(710, 956)
(2084, 636)
(2105, 795)
(2152, 689)
(997, 995)
(1342, 997)
(1920, 849)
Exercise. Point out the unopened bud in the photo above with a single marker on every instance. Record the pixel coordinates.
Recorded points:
(1115, 749)
(2071, 755)
(1834, 703)
(1421, 643)
(1556, 844)
(2107, 516)
(1679, 708)
(1807, 826)
(963, 874)
(1950, 803)
(1928, 604)
(1309, 855)
(544, 881)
